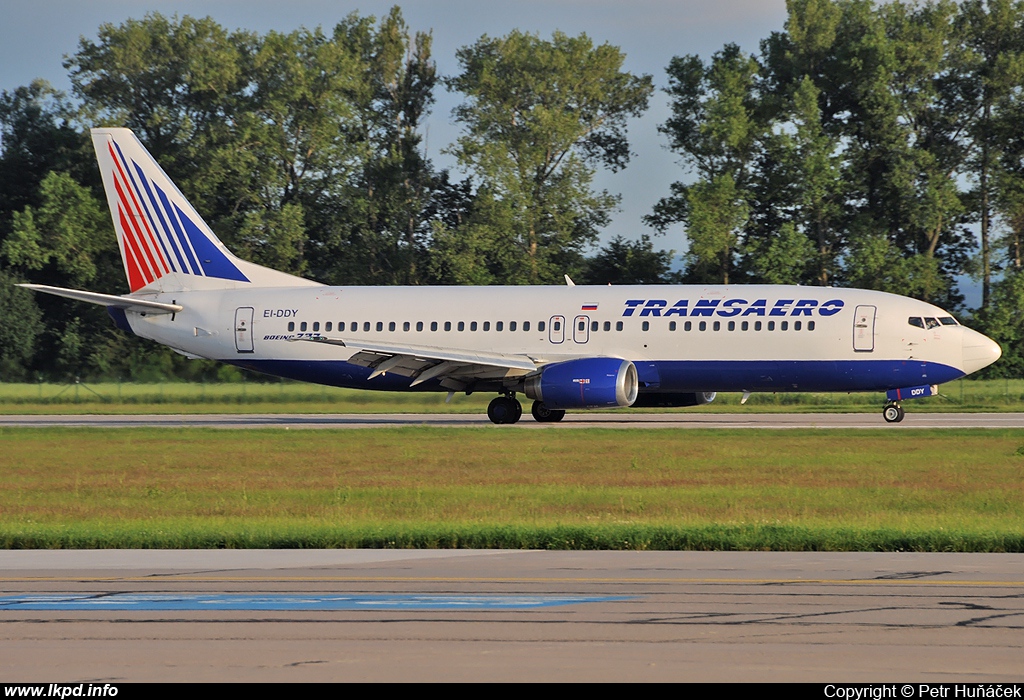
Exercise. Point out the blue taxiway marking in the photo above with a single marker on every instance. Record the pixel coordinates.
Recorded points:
(290, 601)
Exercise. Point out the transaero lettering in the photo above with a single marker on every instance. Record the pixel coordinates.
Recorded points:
(732, 307)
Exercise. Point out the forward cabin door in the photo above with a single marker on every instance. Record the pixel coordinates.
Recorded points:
(556, 329)
(864, 329)
(243, 329)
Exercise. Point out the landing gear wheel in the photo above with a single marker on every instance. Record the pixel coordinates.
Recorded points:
(893, 413)
(543, 414)
(504, 410)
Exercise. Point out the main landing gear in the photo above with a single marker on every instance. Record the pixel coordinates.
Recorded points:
(543, 414)
(506, 409)
(893, 412)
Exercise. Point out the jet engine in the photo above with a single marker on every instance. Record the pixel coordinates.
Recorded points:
(592, 382)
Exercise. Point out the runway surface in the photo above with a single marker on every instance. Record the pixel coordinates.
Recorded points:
(572, 420)
(416, 615)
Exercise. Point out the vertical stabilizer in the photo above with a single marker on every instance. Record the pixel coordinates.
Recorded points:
(165, 244)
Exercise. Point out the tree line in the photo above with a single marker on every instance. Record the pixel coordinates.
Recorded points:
(862, 145)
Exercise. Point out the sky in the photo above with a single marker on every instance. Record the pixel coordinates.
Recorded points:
(36, 35)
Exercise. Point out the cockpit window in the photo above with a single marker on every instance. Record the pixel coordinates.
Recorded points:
(931, 323)
(948, 321)
(915, 321)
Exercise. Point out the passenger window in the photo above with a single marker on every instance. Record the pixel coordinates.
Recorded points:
(366, 326)
(302, 326)
(607, 325)
(380, 326)
(687, 326)
(419, 325)
(646, 325)
(487, 325)
(745, 326)
(671, 325)
(717, 326)
(472, 325)
(785, 326)
(316, 326)
(511, 325)
(462, 326)
(406, 326)
(771, 325)
(594, 325)
(328, 326)
(291, 325)
(757, 325)
(499, 325)
(810, 325)
(391, 326)
(915, 321)
(732, 325)
(931, 323)
(447, 325)
(433, 326)
(702, 326)
(618, 325)
(354, 327)
(796, 325)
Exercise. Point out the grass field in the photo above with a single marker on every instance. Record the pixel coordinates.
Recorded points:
(431, 487)
(293, 397)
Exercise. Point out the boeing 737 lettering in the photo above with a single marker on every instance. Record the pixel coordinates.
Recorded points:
(571, 347)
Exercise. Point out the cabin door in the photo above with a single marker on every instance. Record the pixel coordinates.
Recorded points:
(581, 329)
(864, 329)
(243, 329)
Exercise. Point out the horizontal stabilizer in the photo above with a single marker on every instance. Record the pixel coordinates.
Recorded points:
(118, 302)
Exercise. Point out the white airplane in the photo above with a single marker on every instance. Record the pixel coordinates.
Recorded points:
(570, 347)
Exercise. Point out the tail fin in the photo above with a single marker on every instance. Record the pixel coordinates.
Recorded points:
(165, 244)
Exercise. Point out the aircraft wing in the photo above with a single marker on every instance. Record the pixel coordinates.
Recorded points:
(127, 303)
(456, 369)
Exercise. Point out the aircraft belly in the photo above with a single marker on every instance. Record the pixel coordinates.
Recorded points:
(799, 375)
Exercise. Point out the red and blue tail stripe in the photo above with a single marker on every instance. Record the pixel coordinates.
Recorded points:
(157, 236)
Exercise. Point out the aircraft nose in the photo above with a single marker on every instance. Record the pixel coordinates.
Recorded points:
(979, 351)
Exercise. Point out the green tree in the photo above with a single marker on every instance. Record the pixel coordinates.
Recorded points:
(36, 138)
(20, 324)
(987, 82)
(716, 128)
(539, 116)
(629, 262)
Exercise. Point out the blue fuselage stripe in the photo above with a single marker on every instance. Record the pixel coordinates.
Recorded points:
(669, 375)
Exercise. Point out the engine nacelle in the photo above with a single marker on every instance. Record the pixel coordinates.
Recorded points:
(675, 400)
(592, 382)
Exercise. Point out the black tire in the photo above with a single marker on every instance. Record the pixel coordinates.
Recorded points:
(892, 413)
(543, 414)
(502, 410)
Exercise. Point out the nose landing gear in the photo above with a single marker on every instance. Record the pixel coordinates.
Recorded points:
(893, 412)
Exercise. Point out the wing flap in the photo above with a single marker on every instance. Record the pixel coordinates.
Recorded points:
(421, 363)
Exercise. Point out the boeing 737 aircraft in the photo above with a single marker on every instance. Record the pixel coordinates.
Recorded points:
(570, 347)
